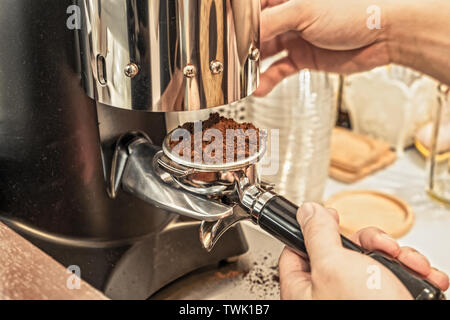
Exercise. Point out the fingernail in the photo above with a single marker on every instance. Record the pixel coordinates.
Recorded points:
(307, 211)
(387, 237)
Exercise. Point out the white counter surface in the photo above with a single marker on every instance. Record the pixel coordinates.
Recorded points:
(406, 178)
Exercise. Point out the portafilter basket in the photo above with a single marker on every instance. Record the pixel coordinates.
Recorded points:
(213, 180)
(237, 184)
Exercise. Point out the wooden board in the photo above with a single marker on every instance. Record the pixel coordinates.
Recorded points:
(351, 151)
(350, 177)
(27, 273)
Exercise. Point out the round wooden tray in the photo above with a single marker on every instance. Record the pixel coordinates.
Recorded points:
(366, 208)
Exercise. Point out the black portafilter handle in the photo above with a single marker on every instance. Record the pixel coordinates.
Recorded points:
(278, 217)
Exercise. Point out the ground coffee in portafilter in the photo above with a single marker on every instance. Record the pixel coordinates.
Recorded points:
(235, 140)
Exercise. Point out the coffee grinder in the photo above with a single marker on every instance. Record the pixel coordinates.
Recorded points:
(77, 77)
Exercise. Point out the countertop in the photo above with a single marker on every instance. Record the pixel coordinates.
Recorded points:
(406, 178)
(27, 273)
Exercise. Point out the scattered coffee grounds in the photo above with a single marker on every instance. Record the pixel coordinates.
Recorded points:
(276, 278)
(262, 278)
(258, 277)
(222, 124)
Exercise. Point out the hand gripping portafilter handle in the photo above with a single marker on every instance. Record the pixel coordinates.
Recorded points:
(278, 217)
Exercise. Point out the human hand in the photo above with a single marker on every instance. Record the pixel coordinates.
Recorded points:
(334, 272)
(323, 35)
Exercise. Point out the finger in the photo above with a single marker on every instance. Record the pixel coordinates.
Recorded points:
(334, 214)
(321, 233)
(295, 279)
(273, 47)
(290, 261)
(275, 74)
(270, 3)
(302, 54)
(279, 19)
(306, 55)
(438, 278)
(374, 239)
(420, 264)
(414, 260)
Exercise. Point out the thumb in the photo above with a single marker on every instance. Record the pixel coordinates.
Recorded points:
(279, 19)
(320, 231)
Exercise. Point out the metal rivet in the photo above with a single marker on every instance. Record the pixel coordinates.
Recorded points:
(190, 71)
(216, 67)
(255, 54)
(131, 70)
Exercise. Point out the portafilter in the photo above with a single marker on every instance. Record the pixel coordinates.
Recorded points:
(236, 184)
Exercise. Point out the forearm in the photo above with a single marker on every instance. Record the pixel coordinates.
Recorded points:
(418, 35)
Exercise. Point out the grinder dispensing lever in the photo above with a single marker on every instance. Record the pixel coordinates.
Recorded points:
(133, 170)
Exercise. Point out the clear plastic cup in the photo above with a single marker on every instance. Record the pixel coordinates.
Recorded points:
(302, 110)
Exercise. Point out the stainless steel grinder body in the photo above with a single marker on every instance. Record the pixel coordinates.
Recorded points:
(170, 55)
